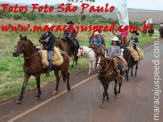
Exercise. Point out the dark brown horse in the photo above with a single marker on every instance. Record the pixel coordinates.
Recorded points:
(130, 61)
(107, 74)
(33, 66)
(151, 31)
(66, 45)
(161, 32)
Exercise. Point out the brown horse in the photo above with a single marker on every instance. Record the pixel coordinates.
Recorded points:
(33, 66)
(66, 45)
(161, 32)
(107, 74)
(151, 31)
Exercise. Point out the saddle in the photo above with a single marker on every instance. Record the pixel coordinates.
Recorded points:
(96, 49)
(123, 62)
(136, 55)
(57, 58)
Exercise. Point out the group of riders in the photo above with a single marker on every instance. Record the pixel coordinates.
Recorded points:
(48, 42)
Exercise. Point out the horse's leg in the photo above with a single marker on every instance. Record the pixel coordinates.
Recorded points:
(93, 65)
(136, 70)
(105, 92)
(115, 88)
(132, 71)
(119, 91)
(56, 72)
(68, 83)
(107, 95)
(38, 85)
(26, 78)
(126, 75)
(89, 67)
(73, 62)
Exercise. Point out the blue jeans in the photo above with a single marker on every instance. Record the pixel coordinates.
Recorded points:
(50, 54)
(100, 50)
(120, 66)
(74, 42)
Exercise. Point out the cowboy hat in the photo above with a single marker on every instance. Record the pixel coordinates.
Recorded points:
(49, 25)
(70, 23)
(96, 33)
(135, 32)
(115, 39)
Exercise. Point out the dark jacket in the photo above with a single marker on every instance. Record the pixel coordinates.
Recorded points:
(70, 34)
(47, 45)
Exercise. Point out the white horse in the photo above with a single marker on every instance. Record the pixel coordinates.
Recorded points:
(91, 57)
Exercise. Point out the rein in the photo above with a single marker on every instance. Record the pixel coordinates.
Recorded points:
(107, 66)
(29, 56)
(82, 51)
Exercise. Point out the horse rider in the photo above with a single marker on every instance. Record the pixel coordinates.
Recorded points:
(124, 35)
(48, 39)
(101, 35)
(161, 25)
(97, 41)
(115, 52)
(71, 34)
(134, 42)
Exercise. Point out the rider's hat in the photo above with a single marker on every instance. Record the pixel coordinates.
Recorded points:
(135, 32)
(70, 23)
(115, 39)
(96, 33)
(49, 25)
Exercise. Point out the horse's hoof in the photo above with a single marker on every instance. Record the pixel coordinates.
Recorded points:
(107, 100)
(102, 106)
(89, 73)
(118, 95)
(55, 93)
(37, 97)
(69, 89)
(18, 101)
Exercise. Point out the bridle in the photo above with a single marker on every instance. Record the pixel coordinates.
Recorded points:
(102, 71)
(82, 51)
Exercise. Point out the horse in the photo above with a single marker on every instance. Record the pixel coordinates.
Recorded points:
(66, 45)
(107, 74)
(34, 67)
(91, 56)
(130, 61)
(151, 31)
(161, 32)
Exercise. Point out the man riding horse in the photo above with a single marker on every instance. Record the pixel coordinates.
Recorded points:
(96, 40)
(134, 42)
(71, 34)
(100, 31)
(48, 39)
(114, 53)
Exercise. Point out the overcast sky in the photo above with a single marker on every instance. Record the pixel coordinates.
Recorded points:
(140, 4)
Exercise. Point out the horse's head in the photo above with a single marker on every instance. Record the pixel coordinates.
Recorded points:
(80, 51)
(21, 46)
(100, 62)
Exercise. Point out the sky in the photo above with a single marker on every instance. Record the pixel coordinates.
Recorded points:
(138, 4)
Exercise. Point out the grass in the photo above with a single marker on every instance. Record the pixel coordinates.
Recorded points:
(11, 71)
